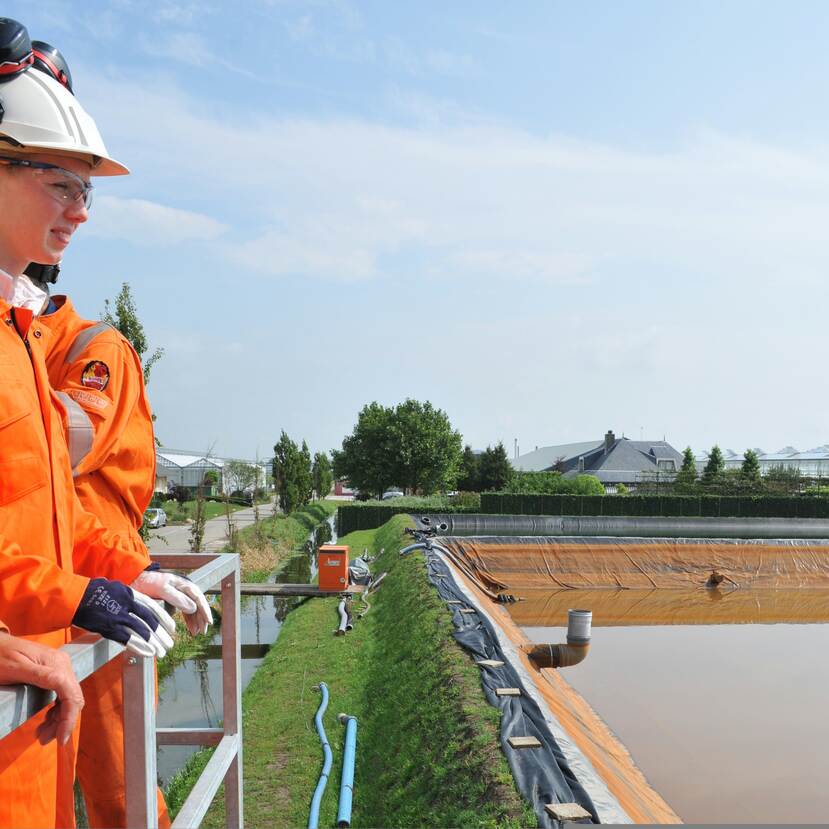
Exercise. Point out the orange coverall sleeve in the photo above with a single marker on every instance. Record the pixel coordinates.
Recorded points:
(109, 409)
(36, 595)
(99, 553)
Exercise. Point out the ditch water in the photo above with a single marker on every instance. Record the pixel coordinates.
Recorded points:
(726, 720)
(191, 697)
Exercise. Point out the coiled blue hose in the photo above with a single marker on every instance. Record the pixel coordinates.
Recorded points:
(328, 757)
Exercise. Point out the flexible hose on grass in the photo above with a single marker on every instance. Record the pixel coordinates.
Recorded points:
(328, 758)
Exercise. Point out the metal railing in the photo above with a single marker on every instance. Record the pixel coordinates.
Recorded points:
(89, 653)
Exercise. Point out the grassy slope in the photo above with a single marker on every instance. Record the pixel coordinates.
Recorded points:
(428, 751)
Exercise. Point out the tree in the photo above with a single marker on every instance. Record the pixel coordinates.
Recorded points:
(321, 474)
(411, 446)
(554, 483)
(427, 450)
(305, 477)
(292, 473)
(687, 475)
(124, 317)
(586, 485)
(495, 469)
(469, 477)
(366, 458)
(714, 469)
(750, 470)
(240, 476)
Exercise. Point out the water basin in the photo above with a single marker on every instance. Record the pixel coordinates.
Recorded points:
(724, 713)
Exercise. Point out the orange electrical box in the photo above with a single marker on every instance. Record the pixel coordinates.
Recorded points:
(333, 567)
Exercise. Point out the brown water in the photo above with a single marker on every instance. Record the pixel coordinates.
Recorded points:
(727, 721)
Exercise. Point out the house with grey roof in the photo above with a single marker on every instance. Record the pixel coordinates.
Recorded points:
(612, 460)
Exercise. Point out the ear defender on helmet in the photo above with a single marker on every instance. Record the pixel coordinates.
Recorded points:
(49, 60)
(16, 54)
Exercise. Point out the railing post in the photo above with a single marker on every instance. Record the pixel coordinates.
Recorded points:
(232, 696)
(139, 741)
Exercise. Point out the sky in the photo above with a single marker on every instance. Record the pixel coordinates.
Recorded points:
(549, 219)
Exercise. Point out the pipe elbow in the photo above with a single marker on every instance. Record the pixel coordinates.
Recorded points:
(565, 655)
(557, 656)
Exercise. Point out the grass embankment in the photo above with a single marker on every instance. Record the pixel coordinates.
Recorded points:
(428, 751)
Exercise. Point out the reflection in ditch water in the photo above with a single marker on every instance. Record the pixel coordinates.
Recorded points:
(191, 696)
(727, 721)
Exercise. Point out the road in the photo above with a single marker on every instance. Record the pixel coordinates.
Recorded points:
(176, 539)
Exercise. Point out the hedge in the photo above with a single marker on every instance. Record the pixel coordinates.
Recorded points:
(665, 506)
(365, 516)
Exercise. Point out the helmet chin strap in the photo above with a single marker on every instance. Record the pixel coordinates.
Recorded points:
(42, 275)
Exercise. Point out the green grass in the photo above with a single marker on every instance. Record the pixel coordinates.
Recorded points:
(180, 513)
(428, 752)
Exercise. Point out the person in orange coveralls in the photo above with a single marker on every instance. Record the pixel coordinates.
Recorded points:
(98, 376)
(58, 565)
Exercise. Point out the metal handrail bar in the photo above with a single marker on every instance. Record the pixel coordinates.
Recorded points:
(198, 802)
(89, 652)
(19, 703)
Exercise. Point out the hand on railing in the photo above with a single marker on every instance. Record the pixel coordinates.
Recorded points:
(28, 663)
(179, 592)
(124, 615)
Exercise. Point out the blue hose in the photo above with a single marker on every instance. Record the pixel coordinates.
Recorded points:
(347, 782)
(314, 816)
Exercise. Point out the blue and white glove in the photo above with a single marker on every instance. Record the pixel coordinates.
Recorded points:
(124, 615)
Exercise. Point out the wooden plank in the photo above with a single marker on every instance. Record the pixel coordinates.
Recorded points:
(524, 742)
(490, 663)
(189, 736)
(566, 811)
(508, 692)
(467, 610)
(282, 590)
(454, 601)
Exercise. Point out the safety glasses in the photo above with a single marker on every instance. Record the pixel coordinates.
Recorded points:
(62, 185)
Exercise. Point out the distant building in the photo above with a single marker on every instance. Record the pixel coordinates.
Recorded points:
(813, 463)
(612, 460)
(175, 467)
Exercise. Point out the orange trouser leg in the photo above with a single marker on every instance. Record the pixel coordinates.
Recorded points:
(101, 751)
(28, 778)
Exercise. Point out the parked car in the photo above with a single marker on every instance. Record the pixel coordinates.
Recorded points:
(392, 493)
(155, 518)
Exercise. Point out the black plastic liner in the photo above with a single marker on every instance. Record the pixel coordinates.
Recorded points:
(541, 774)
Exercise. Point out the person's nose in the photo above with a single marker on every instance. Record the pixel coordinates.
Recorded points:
(76, 211)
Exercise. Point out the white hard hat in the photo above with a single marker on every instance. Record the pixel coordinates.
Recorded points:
(38, 113)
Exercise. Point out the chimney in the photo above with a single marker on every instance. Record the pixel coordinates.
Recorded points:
(609, 440)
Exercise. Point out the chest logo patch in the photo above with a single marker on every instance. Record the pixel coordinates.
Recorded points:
(95, 375)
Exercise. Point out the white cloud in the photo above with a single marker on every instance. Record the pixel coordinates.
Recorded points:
(147, 223)
(335, 198)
